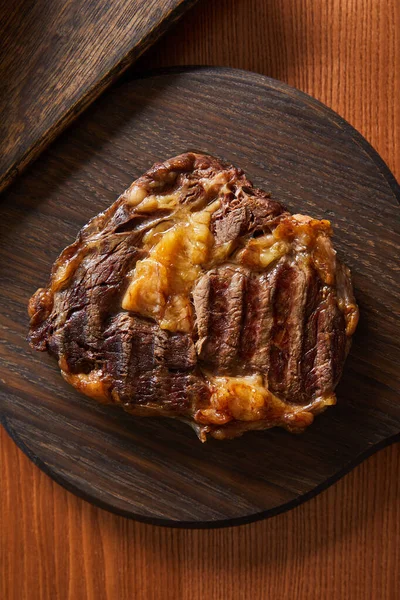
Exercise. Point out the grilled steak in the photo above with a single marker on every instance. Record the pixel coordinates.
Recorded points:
(199, 297)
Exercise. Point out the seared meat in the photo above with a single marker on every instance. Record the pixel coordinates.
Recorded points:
(199, 297)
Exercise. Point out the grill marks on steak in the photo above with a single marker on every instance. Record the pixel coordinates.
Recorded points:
(77, 326)
(280, 323)
(330, 345)
(273, 311)
(287, 332)
(151, 366)
(220, 317)
(255, 346)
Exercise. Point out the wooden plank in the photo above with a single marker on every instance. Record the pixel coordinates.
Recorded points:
(57, 56)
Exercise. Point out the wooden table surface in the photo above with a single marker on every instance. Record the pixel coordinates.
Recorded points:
(343, 544)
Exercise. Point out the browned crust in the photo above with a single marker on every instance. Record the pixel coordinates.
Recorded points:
(306, 281)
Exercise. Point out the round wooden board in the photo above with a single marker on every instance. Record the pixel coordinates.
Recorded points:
(312, 161)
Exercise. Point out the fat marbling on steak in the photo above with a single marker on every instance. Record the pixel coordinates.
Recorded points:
(199, 297)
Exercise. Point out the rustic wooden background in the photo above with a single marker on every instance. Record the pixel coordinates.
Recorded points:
(343, 544)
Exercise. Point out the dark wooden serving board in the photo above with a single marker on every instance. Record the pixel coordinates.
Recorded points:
(310, 159)
(57, 56)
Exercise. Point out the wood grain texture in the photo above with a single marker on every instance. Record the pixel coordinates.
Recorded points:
(312, 162)
(57, 56)
(344, 53)
(344, 543)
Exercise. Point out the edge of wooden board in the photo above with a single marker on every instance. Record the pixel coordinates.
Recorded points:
(92, 94)
(217, 524)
